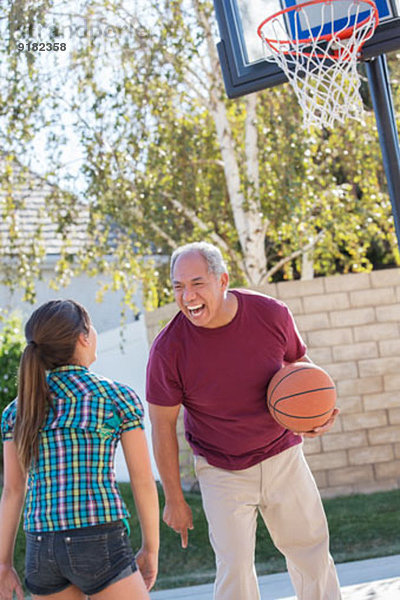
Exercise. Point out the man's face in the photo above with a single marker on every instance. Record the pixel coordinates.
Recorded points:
(199, 294)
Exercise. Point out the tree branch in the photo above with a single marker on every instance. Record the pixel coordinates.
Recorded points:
(217, 239)
(171, 243)
(291, 257)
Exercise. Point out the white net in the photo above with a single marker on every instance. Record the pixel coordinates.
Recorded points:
(320, 61)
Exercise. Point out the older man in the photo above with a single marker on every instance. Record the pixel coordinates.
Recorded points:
(216, 358)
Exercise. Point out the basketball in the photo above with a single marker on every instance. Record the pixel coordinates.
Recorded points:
(301, 396)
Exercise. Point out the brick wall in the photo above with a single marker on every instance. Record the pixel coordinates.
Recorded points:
(351, 324)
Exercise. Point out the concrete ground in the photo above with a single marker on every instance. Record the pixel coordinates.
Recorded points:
(373, 579)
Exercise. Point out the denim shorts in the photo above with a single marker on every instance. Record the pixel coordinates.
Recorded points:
(91, 558)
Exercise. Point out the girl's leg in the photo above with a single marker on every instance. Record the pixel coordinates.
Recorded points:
(129, 588)
(70, 593)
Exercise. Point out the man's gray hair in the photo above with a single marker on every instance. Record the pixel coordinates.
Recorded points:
(210, 253)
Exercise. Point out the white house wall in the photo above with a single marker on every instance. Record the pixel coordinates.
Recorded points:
(105, 315)
(126, 365)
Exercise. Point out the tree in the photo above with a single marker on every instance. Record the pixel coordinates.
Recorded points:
(167, 158)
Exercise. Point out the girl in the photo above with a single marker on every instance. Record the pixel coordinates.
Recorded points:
(60, 437)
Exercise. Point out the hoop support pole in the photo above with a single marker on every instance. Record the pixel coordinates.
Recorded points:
(382, 100)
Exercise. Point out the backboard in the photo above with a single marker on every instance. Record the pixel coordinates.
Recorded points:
(241, 52)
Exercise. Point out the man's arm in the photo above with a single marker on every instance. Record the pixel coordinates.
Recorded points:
(177, 513)
(305, 358)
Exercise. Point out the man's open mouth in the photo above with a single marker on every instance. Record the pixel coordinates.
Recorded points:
(195, 311)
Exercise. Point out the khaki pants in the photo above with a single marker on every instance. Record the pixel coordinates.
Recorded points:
(283, 490)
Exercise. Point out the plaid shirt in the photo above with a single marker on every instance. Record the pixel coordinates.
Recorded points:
(73, 482)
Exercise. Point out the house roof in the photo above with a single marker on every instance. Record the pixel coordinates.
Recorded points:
(28, 217)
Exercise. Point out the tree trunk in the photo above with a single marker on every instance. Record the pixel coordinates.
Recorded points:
(307, 265)
(246, 206)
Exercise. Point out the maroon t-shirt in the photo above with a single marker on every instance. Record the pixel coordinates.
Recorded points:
(221, 375)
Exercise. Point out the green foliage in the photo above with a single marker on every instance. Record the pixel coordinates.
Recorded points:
(141, 98)
(328, 181)
(12, 343)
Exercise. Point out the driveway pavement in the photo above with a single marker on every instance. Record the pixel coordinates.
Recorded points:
(373, 579)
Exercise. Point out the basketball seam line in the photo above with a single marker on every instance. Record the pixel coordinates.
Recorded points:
(301, 393)
(327, 412)
(288, 375)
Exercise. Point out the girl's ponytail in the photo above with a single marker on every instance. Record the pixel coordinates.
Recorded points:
(51, 333)
(31, 405)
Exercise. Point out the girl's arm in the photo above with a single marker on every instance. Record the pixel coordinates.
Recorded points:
(11, 504)
(146, 500)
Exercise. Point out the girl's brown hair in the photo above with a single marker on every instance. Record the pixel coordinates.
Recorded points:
(51, 333)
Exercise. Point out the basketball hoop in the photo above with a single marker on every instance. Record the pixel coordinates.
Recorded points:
(320, 61)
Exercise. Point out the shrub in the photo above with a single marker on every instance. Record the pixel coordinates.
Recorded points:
(12, 343)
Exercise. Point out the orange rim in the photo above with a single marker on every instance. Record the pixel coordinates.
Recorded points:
(373, 16)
